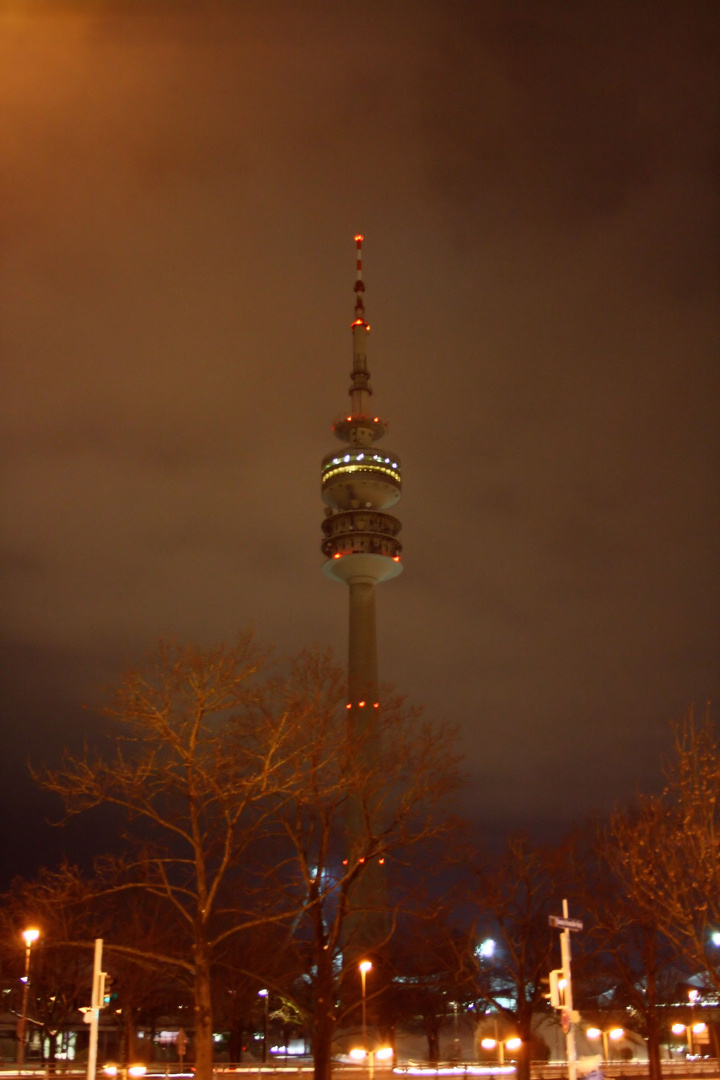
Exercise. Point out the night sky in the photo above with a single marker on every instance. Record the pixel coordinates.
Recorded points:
(537, 184)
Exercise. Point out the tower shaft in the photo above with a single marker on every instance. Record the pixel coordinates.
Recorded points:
(362, 650)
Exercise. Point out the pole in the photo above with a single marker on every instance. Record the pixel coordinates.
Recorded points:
(22, 1027)
(364, 1015)
(265, 1030)
(570, 1037)
(265, 995)
(98, 991)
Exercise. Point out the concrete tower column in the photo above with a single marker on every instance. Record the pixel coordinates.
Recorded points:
(362, 648)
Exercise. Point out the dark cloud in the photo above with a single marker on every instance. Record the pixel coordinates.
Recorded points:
(537, 184)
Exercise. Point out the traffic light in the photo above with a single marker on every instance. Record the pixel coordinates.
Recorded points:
(557, 989)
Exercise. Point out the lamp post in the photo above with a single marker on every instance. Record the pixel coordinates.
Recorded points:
(365, 966)
(265, 994)
(383, 1053)
(497, 1044)
(613, 1033)
(30, 936)
(689, 1030)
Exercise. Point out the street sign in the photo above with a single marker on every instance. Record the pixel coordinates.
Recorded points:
(565, 924)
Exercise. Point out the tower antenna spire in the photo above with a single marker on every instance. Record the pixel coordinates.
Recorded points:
(359, 283)
(360, 388)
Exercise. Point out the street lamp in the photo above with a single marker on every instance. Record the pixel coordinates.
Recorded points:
(383, 1053)
(30, 936)
(614, 1034)
(265, 994)
(365, 966)
(691, 1029)
(511, 1044)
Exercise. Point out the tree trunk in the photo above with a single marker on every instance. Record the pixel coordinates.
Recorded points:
(433, 1040)
(651, 1016)
(203, 1014)
(129, 1054)
(324, 1020)
(235, 1043)
(524, 1025)
(653, 1034)
(52, 1048)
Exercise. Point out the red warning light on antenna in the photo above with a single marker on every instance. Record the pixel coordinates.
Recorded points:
(359, 238)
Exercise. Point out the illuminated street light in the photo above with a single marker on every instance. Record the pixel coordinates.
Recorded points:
(511, 1044)
(383, 1053)
(31, 935)
(613, 1033)
(689, 1030)
(364, 966)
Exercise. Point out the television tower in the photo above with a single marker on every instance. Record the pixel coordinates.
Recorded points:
(359, 483)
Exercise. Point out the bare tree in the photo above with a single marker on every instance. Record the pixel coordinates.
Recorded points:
(236, 795)
(668, 851)
(515, 894)
(193, 769)
(631, 956)
(433, 979)
(393, 777)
